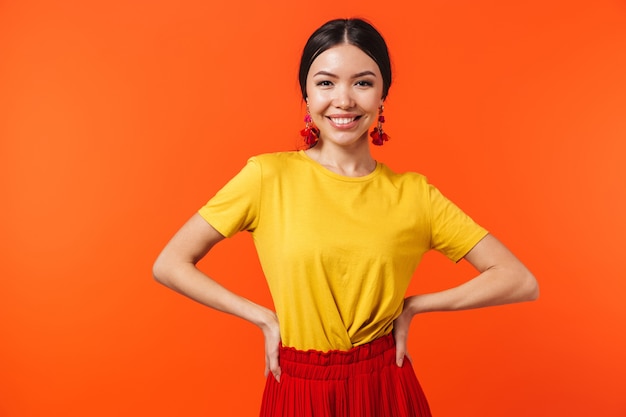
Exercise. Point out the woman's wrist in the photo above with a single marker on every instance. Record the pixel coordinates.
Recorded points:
(266, 319)
(415, 304)
(410, 307)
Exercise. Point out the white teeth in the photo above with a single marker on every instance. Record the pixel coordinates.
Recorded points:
(342, 120)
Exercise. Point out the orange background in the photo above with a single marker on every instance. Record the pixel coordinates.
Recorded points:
(119, 119)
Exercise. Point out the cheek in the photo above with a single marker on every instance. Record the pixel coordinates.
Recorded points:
(317, 102)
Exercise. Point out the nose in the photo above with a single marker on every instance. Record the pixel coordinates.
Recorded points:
(343, 98)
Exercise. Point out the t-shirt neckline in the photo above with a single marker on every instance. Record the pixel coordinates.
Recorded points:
(319, 167)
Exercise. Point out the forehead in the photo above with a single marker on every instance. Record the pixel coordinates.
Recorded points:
(344, 59)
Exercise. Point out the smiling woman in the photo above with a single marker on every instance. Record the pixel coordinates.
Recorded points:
(339, 236)
(344, 95)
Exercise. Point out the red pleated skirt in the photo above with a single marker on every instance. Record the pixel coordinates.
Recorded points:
(362, 382)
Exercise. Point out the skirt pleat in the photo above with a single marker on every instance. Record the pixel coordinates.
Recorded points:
(362, 382)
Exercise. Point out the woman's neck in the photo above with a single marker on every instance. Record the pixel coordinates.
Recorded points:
(353, 161)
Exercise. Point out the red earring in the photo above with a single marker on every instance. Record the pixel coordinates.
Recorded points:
(378, 135)
(310, 133)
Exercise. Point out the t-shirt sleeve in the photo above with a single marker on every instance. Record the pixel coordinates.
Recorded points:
(453, 232)
(235, 207)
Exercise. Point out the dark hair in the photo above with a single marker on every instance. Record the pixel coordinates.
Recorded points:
(355, 32)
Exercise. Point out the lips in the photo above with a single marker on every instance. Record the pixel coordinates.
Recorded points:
(344, 120)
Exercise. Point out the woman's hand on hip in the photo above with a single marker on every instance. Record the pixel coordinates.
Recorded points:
(271, 334)
(401, 332)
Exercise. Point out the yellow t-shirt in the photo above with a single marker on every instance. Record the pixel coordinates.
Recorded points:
(338, 252)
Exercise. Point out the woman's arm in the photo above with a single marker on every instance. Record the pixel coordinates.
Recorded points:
(176, 268)
(502, 279)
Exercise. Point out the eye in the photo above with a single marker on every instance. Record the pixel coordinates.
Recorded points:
(324, 83)
(364, 83)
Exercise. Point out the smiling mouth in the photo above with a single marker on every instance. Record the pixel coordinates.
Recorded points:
(342, 121)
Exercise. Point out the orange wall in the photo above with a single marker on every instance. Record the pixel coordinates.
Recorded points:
(119, 119)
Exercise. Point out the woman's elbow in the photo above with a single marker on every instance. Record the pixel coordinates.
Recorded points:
(160, 271)
(529, 287)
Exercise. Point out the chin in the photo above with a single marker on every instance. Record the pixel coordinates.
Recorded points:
(346, 140)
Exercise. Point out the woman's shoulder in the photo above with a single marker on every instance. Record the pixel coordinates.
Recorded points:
(281, 157)
(277, 163)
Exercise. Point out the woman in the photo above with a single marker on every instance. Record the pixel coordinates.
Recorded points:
(339, 236)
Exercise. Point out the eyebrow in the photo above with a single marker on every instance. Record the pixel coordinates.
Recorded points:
(357, 75)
